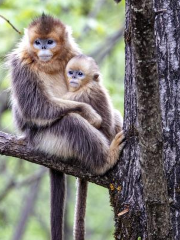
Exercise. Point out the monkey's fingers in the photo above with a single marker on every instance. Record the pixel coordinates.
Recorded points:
(96, 122)
(119, 138)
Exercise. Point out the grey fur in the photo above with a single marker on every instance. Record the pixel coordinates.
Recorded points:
(30, 103)
(94, 94)
(49, 125)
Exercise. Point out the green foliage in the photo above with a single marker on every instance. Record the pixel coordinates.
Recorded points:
(90, 33)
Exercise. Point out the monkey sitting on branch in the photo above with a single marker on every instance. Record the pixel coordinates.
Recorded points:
(37, 68)
(84, 85)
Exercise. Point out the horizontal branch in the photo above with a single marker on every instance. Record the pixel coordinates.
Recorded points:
(11, 145)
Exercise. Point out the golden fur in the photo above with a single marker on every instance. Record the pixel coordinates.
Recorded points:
(88, 89)
(54, 125)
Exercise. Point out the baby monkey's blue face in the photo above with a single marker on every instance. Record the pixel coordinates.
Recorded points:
(75, 78)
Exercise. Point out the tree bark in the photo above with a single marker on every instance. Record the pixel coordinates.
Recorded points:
(168, 43)
(142, 18)
(11, 145)
(142, 199)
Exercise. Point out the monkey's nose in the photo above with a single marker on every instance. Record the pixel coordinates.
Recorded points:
(73, 77)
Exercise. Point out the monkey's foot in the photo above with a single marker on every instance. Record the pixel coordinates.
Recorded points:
(118, 139)
(116, 147)
(114, 150)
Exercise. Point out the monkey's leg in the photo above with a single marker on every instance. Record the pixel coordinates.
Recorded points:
(73, 137)
(70, 137)
(58, 191)
(80, 209)
(115, 149)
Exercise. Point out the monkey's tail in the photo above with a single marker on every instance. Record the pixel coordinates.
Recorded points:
(80, 209)
(58, 192)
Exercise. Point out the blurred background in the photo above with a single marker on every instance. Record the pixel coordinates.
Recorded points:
(24, 187)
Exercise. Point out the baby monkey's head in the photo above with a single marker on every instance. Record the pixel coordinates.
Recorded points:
(81, 70)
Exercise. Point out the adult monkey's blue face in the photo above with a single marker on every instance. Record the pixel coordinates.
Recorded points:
(44, 46)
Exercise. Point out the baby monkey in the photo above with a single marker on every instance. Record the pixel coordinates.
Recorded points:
(84, 85)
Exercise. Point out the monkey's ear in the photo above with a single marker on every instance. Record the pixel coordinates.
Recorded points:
(96, 77)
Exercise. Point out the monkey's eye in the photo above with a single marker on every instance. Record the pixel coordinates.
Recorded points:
(50, 42)
(70, 72)
(37, 42)
(80, 74)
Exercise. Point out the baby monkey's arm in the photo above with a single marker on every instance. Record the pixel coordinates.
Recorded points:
(83, 109)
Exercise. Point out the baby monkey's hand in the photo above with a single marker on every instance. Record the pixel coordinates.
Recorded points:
(95, 120)
(92, 116)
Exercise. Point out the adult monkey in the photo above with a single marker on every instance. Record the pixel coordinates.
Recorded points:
(55, 126)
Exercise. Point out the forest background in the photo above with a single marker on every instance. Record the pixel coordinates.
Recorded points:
(24, 190)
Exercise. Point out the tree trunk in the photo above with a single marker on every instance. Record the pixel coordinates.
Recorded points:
(167, 41)
(140, 210)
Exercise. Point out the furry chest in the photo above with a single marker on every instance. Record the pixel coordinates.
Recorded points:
(54, 85)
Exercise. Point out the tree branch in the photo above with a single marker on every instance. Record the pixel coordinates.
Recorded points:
(13, 146)
(92, 15)
(105, 48)
(26, 212)
(28, 181)
(44, 226)
(10, 24)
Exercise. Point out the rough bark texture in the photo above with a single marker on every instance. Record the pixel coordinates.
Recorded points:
(168, 45)
(141, 201)
(149, 127)
(127, 197)
(12, 146)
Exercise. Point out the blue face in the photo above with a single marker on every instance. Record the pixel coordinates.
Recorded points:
(75, 78)
(75, 74)
(44, 47)
(44, 43)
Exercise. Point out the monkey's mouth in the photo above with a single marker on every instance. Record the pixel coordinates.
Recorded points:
(74, 83)
(45, 58)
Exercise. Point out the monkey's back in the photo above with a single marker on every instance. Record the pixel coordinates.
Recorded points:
(96, 95)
